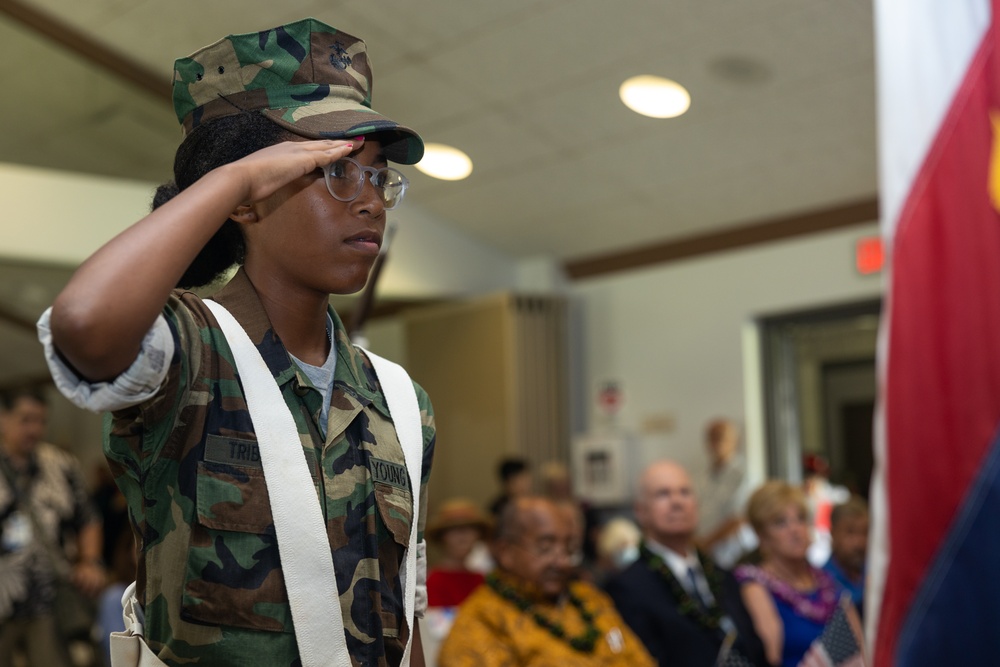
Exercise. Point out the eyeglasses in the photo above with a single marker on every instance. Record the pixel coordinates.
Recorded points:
(547, 548)
(345, 179)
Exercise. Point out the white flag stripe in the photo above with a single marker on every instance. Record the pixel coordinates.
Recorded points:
(878, 527)
(923, 48)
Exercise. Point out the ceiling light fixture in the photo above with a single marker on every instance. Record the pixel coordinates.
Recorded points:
(445, 162)
(655, 96)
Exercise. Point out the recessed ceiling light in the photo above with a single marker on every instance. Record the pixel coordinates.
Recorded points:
(445, 162)
(655, 96)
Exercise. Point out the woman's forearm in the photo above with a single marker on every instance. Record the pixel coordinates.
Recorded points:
(99, 319)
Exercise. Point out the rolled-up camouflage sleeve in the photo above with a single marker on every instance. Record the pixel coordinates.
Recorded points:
(137, 383)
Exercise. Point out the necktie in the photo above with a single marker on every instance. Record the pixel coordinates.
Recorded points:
(695, 591)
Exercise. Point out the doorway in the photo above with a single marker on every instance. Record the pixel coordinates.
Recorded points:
(820, 391)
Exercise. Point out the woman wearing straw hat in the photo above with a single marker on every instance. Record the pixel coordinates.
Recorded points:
(283, 172)
(458, 526)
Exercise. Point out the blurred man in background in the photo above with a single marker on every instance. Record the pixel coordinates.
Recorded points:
(48, 531)
(682, 606)
(849, 547)
(722, 493)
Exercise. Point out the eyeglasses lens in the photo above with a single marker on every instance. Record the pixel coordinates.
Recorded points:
(392, 184)
(345, 181)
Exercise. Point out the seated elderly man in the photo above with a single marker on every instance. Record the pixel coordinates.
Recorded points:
(529, 612)
(686, 610)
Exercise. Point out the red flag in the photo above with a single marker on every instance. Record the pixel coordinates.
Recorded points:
(933, 580)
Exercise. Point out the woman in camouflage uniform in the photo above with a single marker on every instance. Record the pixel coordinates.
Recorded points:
(283, 172)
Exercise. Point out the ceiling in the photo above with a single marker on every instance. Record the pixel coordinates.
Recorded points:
(782, 120)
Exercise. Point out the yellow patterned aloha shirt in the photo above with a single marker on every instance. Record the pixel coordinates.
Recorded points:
(490, 631)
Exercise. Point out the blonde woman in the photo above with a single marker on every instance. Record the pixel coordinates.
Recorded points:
(789, 600)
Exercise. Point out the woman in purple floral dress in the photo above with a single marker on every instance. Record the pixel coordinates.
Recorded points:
(789, 600)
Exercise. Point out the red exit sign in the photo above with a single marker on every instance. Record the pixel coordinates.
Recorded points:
(869, 256)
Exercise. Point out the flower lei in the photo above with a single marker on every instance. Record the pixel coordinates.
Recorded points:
(817, 605)
(711, 616)
(583, 643)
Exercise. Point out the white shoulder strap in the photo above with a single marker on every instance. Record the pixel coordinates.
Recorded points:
(400, 397)
(306, 560)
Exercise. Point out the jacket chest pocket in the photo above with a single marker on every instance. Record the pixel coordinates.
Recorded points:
(233, 572)
(233, 498)
(393, 497)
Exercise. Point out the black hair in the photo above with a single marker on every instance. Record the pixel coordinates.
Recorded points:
(10, 397)
(510, 468)
(207, 147)
(853, 507)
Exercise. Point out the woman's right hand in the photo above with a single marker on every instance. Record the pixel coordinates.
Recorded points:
(264, 172)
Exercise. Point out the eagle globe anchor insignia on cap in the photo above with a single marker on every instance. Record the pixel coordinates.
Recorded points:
(339, 58)
(307, 77)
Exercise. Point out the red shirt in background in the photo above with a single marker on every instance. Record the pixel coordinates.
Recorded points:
(449, 588)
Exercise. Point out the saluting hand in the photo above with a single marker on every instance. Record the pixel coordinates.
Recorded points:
(267, 170)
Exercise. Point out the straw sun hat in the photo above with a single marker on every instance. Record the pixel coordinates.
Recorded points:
(456, 513)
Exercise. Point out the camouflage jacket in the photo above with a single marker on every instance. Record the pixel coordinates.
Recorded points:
(209, 576)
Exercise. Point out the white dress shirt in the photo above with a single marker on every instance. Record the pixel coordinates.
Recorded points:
(679, 564)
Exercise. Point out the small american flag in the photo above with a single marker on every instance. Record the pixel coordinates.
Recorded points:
(729, 656)
(840, 643)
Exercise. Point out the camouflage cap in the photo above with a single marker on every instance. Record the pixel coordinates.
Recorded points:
(308, 77)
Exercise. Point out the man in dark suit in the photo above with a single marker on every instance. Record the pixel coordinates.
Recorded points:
(686, 610)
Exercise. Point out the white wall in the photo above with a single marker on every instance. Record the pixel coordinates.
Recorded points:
(61, 217)
(680, 338)
(429, 258)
